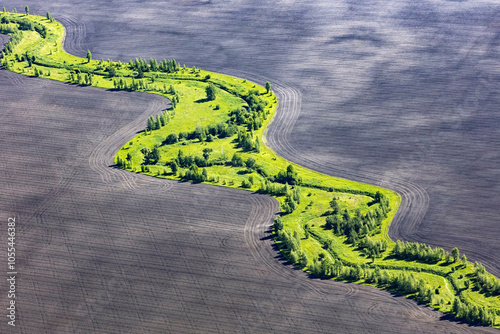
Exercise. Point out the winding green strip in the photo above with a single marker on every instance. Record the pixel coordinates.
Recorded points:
(449, 286)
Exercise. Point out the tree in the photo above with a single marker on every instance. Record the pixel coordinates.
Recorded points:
(210, 90)
(111, 70)
(456, 254)
(27, 10)
(89, 56)
(174, 167)
(334, 205)
(464, 260)
(268, 87)
(206, 153)
(250, 163)
(237, 160)
(4, 9)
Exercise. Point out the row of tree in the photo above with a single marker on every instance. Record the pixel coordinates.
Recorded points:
(414, 251)
(486, 283)
(156, 123)
(166, 65)
(462, 309)
(81, 78)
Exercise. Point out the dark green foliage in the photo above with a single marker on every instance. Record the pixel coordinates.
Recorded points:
(237, 160)
(195, 175)
(250, 163)
(335, 206)
(26, 24)
(151, 157)
(89, 58)
(486, 283)
(246, 184)
(247, 141)
(27, 10)
(268, 87)
(206, 153)
(174, 167)
(274, 189)
(290, 176)
(111, 71)
(171, 139)
(292, 199)
(278, 225)
(455, 253)
(210, 91)
(462, 309)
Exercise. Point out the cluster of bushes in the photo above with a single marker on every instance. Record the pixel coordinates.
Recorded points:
(292, 199)
(255, 102)
(251, 119)
(151, 157)
(419, 252)
(25, 24)
(373, 248)
(194, 174)
(289, 176)
(462, 309)
(155, 123)
(125, 164)
(485, 282)
(186, 161)
(81, 78)
(271, 188)
(355, 227)
(247, 141)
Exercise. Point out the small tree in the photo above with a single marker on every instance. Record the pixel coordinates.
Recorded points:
(250, 163)
(464, 260)
(268, 87)
(334, 205)
(206, 153)
(89, 56)
(456, 254)
(4, 9)
(174, 167)
(27, 10)
(210, 90)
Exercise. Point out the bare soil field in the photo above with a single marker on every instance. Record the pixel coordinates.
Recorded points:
(399, 100)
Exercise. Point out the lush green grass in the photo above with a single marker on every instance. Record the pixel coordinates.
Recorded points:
(446, 279)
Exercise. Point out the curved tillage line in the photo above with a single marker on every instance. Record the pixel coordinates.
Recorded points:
(102, 156)
(414, 199)
(75, 32)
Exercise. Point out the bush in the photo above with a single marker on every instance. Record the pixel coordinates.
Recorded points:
(172, 139)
